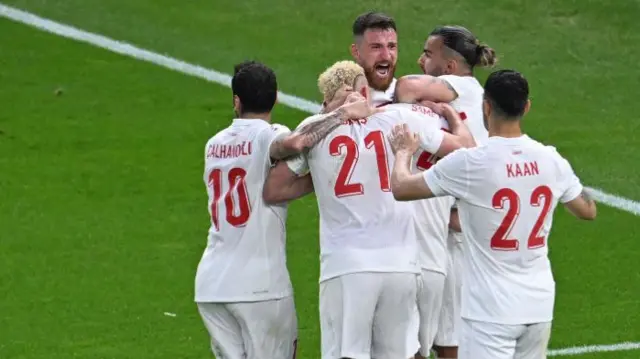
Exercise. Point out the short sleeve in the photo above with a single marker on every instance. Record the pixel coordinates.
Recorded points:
(271, 134)
(450, 175)
(429, 132)
(456, 82)
(299, 164)
(571, 185)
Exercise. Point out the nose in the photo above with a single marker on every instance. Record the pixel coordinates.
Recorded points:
(385, 54)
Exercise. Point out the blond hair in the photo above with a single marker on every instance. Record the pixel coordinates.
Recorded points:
(339, 74)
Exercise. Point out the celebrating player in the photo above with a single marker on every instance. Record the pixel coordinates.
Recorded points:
(449, 57)
(375, 49)
(508, 190)
(242, 288)
(368, 241)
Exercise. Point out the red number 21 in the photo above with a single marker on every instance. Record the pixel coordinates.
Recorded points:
(236, 183)
(500, 240)
(343, 186)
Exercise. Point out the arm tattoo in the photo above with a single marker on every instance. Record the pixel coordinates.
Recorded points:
(444, 82)
(319, 129)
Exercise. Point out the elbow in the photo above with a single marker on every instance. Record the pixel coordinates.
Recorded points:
(591, 215)
(399, 193)
(270, 194)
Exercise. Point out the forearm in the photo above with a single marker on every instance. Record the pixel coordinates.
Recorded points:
(406, 186)
(299, 187)
(458, 128)
(283, 185)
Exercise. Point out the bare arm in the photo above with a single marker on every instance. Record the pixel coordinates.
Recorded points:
(406, 186)
(309, 135)
(282, 185)
(418, 88)
(306, 136)
(583, 206)
(460, 136)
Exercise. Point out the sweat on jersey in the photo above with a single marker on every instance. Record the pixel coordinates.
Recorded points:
(245, 255)
(508, 189)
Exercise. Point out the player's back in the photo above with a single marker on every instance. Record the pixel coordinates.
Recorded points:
(245, 254)
(512, 188)
(361, 224)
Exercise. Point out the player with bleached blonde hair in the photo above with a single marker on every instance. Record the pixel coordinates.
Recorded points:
(368, 270)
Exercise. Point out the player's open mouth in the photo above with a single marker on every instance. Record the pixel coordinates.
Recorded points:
(383, 70)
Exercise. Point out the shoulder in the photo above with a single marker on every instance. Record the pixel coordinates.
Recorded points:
(310, 119)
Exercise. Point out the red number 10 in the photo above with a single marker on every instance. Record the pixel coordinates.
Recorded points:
(500, 240)
(343, 186)
(237, 183)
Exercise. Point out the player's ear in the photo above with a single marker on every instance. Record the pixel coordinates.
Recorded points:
(361, 86)
(452, 66)
(527, 107)
(354, 51)
(486, 108)
(237, 105)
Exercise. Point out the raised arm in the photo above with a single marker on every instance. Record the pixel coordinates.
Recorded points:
(447, 177)
(460, 136)
(305, 137)
(418, 88)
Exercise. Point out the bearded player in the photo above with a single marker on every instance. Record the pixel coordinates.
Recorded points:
(375, 49)
(449, 57)
(368, 240)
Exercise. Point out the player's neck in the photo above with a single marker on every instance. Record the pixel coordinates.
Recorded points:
(256, 116)
(507, 129)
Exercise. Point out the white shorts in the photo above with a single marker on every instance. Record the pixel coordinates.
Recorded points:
(481, 340)
(427, 315)
(365, 315)
(252, 330)
(449, 322)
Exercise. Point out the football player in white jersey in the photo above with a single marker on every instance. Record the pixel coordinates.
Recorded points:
(448, 59)
(242, 286)
(508, 189)
(375, 48)
(368, 244)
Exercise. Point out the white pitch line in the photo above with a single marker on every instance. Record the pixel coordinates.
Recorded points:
(223, 79)
(594, 349)
(298, 103)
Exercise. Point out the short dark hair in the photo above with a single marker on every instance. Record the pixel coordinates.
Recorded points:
(373, 20)
(464, 42)
(508, 92)
(256, 86)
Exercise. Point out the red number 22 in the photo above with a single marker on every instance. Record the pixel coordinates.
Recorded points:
(500, 240)
(343, 186)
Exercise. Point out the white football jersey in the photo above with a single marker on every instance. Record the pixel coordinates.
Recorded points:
(508, 190)
(432, 215)
(469, 104)
(382, 98)
(362, 227)
(245, 255)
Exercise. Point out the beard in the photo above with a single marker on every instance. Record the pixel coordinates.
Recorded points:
(435, 72)
(379, 83)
